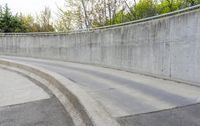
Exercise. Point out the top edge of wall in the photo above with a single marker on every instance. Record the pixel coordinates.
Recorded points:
(196, 7)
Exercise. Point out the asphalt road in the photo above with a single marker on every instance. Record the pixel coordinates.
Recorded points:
(131, 97)
(46, 112)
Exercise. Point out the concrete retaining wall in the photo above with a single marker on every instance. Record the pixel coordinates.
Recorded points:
(168, 47)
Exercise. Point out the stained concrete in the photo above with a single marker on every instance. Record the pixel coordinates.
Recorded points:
(17, 89)
(167, 47)
(47, 112)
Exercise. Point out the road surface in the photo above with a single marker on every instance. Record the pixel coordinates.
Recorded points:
(24, 103)
(133, 99)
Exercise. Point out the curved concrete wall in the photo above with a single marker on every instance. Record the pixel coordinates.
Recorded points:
(168, 47)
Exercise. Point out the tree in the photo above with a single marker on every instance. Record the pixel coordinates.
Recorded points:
(169, 5)
(8, 22)
(29, 23)
(44, 20)
(85, 14)
(64, 23)
(71, 17)
(145, 8)
(87, 21)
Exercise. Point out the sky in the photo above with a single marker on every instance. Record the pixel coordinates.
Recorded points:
(32, 6)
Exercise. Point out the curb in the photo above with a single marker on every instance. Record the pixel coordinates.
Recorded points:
(83, 109)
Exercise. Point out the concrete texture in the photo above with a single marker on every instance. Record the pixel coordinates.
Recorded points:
(24, 103)
(83, 110)
(17, 89)
(47, 112)
(184, 116)
(167, 47)
(125, 95)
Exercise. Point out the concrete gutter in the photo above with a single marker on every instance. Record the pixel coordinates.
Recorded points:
(83, 110)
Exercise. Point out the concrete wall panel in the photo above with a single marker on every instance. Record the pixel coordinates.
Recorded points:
(167, 47)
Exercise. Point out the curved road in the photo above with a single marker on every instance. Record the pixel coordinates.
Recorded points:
(129, 97)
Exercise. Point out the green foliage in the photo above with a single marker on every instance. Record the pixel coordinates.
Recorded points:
(170, 5)
(147, 8)
(79, 14)
(28, 23)
(120, 17)
(9, 22)
(15, 23)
